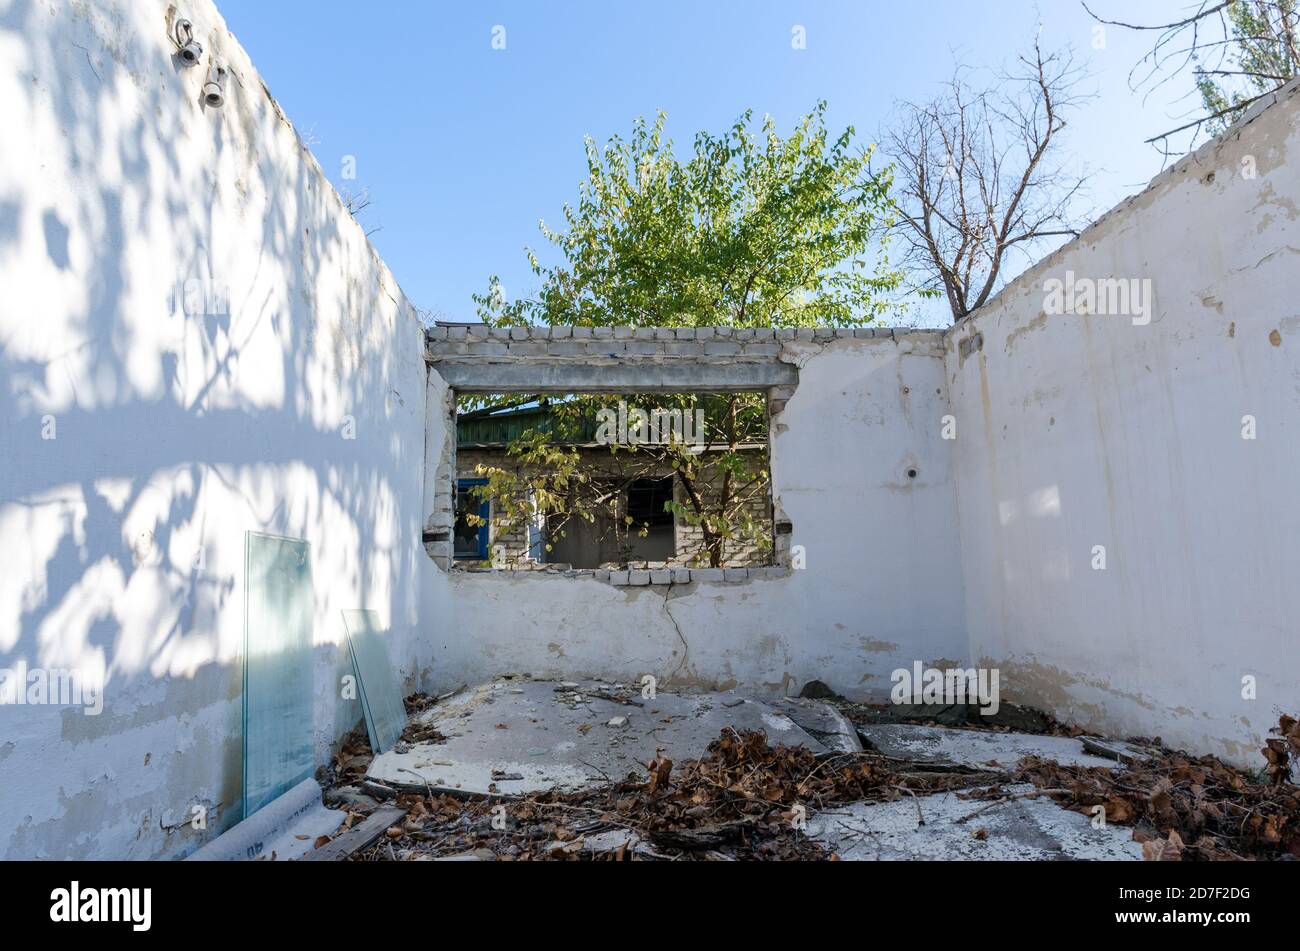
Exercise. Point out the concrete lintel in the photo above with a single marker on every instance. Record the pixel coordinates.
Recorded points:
(722, 376)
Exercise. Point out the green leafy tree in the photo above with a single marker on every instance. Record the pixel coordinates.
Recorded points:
(1263, 54)
(752, 229)
(724, 479)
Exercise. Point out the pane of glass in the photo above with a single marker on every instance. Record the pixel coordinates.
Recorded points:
(381, 698)
(277, 667)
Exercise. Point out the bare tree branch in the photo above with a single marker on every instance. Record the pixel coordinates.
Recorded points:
(1256, 40)
(978, 175)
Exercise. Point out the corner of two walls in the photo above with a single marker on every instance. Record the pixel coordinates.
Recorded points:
(148, 424)
(177, 431)
(1083, 438)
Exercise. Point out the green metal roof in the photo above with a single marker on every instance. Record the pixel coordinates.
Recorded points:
(498, 428)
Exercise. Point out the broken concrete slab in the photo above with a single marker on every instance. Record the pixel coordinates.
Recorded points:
(976, 749)
(515, 737)
(823, 721)
(1022, 829)
(1113, 749)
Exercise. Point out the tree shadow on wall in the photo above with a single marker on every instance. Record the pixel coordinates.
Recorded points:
(174, 432)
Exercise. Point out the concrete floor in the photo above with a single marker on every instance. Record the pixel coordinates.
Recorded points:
(978, 749)
(1029, 829)
(517, 736)
(514, 737)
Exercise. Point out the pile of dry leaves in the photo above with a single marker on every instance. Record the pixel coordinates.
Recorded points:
(1187, 808)
(350, 763)
(745, 800)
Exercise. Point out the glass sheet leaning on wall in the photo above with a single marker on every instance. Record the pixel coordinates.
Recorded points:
(381, 698)
(277, 667)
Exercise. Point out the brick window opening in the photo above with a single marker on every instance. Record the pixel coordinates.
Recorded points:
(644, 505)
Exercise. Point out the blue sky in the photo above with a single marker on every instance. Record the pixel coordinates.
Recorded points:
(465, 147)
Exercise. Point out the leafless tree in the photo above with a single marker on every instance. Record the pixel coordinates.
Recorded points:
(979, 175)
(1238, 51)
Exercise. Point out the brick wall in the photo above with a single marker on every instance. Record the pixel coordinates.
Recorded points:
(753, 343)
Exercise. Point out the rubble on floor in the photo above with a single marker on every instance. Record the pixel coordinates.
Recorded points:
(1186, 807)
(1006, 717)
(520, 770)
(745, 799)
(514, 737)
(980, 749)
(948, 826)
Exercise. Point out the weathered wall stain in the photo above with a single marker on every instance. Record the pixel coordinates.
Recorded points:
(1121, 606)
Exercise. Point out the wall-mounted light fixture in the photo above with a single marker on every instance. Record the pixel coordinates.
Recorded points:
(190, 52)
(214, 90)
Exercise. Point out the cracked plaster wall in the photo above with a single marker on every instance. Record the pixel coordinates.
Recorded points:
(1072, 432)
(882, 583)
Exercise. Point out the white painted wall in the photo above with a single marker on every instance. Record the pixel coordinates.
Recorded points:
(115, 184)
(1076, 432)
(882, 586)
(176, 435)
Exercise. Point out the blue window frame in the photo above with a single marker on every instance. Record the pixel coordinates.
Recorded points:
(470, 542)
